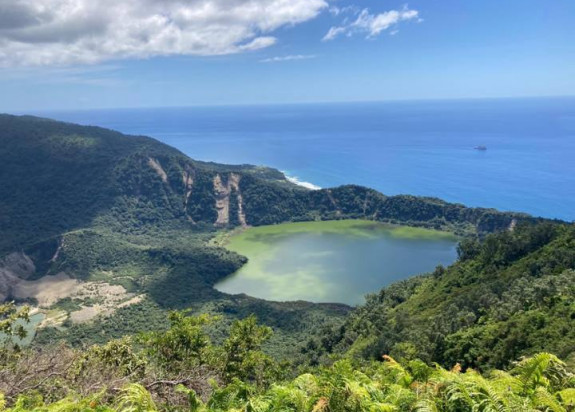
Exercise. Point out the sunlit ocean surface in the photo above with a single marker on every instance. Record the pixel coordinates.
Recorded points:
(421, 148)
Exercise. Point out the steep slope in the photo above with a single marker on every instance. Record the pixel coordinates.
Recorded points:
(109, 212)
(85, 212)
(58, 176)
(509, 296)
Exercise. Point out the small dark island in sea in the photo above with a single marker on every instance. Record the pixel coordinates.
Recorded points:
(480, 147)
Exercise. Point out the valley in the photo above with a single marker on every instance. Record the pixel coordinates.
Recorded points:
(99, 210)
(287, 206)
(126, 246)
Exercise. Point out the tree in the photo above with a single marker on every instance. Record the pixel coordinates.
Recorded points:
(12, 321)
(183, 345)
(244, 358)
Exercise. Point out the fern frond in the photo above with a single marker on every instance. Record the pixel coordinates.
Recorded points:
(426, 405)
(135, 398)
(544, 399)
(531, 371)
(567, 397)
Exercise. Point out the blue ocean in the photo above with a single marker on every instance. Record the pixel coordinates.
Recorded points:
(418, 147)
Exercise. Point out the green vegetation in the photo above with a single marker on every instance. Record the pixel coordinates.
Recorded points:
(352, 227)
(111, 210)
(247, 242)
(510, 295)
(180, 369)
(13, 322)
(127, 210)
(59, 176)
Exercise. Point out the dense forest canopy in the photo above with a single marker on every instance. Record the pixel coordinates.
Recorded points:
(181, 369)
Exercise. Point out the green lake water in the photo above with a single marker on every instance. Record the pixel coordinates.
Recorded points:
(334, 261)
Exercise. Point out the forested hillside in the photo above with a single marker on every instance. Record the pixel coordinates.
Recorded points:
(511, 295)
(180, 369)
(133, 221)
(57, 177)
(481, 335)
(112, 239)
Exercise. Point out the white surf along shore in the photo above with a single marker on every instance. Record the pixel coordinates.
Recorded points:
(296, 181)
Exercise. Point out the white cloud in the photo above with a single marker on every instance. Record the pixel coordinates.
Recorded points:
(64, 32)
(373, 24)
(288, 58)
(334, 32)
(336, 11)
(97, 75)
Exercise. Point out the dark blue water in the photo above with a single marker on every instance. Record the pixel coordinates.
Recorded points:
(422, 148)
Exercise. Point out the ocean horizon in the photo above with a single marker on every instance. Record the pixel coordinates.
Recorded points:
(425, 147)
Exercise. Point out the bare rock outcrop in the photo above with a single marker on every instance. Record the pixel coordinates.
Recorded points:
(188, 180)
(154, 164)
(48, 289)
(13, 269)
(222, 193)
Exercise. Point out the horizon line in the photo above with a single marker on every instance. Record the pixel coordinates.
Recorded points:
(302, 103)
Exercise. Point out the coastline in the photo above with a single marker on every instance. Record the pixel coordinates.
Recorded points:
(296, 181)
(413, 161)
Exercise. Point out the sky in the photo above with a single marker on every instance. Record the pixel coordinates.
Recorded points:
(83, 54)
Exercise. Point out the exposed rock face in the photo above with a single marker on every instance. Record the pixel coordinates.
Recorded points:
(188, 180)
(241, 214)
(13, 269)
(222, 193)
(57, 253)
(234, 183)
(7, 282)
(154, 164)
(16, 268)
(18, 264)
(222, 201)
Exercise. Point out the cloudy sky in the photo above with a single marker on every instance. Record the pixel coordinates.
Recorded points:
(64, 54)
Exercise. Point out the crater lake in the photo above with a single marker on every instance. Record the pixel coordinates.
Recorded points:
(332, 261)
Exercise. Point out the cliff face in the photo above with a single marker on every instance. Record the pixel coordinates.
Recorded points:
(223, 195)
